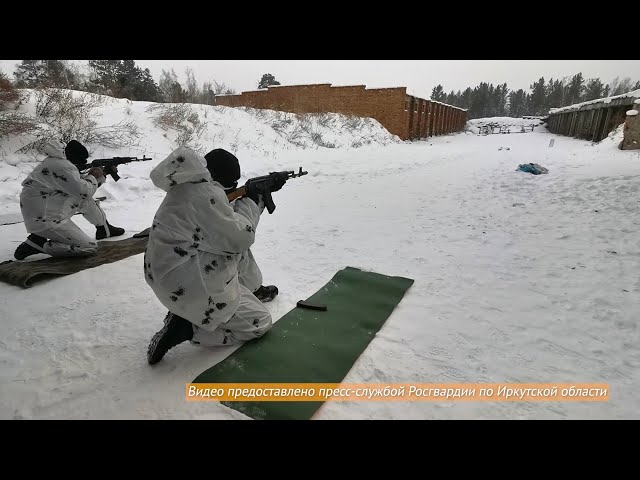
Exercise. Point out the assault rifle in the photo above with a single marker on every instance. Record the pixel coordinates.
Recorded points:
(264, 185)
(107, 164)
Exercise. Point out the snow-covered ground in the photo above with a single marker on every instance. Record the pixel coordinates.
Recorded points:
(518, 278)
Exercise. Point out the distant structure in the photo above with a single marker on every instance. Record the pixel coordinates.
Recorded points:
(594, 120)
(408, 116)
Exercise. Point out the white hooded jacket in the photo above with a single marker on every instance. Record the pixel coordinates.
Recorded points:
(54, 190)
(196, 241)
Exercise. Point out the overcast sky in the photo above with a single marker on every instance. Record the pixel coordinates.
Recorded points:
(419, 76)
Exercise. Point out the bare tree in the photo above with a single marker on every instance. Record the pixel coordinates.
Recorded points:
(170, 88)
(222, 89)
(192, 86)
(208, 95)
(619, 86)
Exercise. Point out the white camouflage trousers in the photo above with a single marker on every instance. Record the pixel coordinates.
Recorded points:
(249, 273)
(68, 240)
(251, 320)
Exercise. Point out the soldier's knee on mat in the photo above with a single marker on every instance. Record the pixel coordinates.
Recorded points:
(263, 326)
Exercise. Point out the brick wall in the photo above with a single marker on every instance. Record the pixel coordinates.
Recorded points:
(632, 129)
(392, 107)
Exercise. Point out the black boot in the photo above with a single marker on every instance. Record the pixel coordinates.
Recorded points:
(266, 294)
(108, 230)
(28, 247)
(175, 331)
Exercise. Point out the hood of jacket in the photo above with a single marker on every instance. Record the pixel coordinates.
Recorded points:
(183, 165)
(54, 148)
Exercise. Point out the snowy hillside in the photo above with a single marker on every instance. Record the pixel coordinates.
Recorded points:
(119, 127)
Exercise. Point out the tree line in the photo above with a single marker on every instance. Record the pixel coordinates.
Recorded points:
(487, 100)
(122, 79)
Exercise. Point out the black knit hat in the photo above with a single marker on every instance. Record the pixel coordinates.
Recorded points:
(76, 152)
(223, 167)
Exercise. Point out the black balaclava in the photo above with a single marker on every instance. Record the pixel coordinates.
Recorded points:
(76, 153)
(223, 167)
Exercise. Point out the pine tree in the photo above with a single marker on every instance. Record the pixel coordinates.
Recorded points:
(437, 94)
(528, 110)
(177, 93)
(122, 79)
(537, 98)
(465, 99)
(208, 95)
(267, 80)
(451, 97)
(517, 102)
(104, 75)
(593, 90)
(554, 94)
(575, 88)
(480, 101)
(501, 95)
(127, 80)
(147, 89)
(44, 73)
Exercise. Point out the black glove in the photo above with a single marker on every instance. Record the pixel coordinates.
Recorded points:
(255, 197)
(253, 192)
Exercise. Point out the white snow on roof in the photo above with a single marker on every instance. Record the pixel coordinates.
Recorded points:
(300, 85)
(414, 93)
(447, 105)
(632, 113)
(634, 93)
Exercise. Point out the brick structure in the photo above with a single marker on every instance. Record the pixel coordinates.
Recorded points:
(407, 116)
(632, 128)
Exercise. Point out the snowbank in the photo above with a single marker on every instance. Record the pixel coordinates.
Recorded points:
(614, 138)
(127, 128)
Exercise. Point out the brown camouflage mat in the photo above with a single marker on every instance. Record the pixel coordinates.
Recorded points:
(26, 273)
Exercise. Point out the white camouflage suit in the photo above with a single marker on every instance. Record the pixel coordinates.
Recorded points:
(195, 245)
(249, 273)
(53, 193)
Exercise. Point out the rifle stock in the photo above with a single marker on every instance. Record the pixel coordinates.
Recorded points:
(242, 191)
(237, 193)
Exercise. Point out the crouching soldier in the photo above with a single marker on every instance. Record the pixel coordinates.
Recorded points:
(52, 194)
(192, 258)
